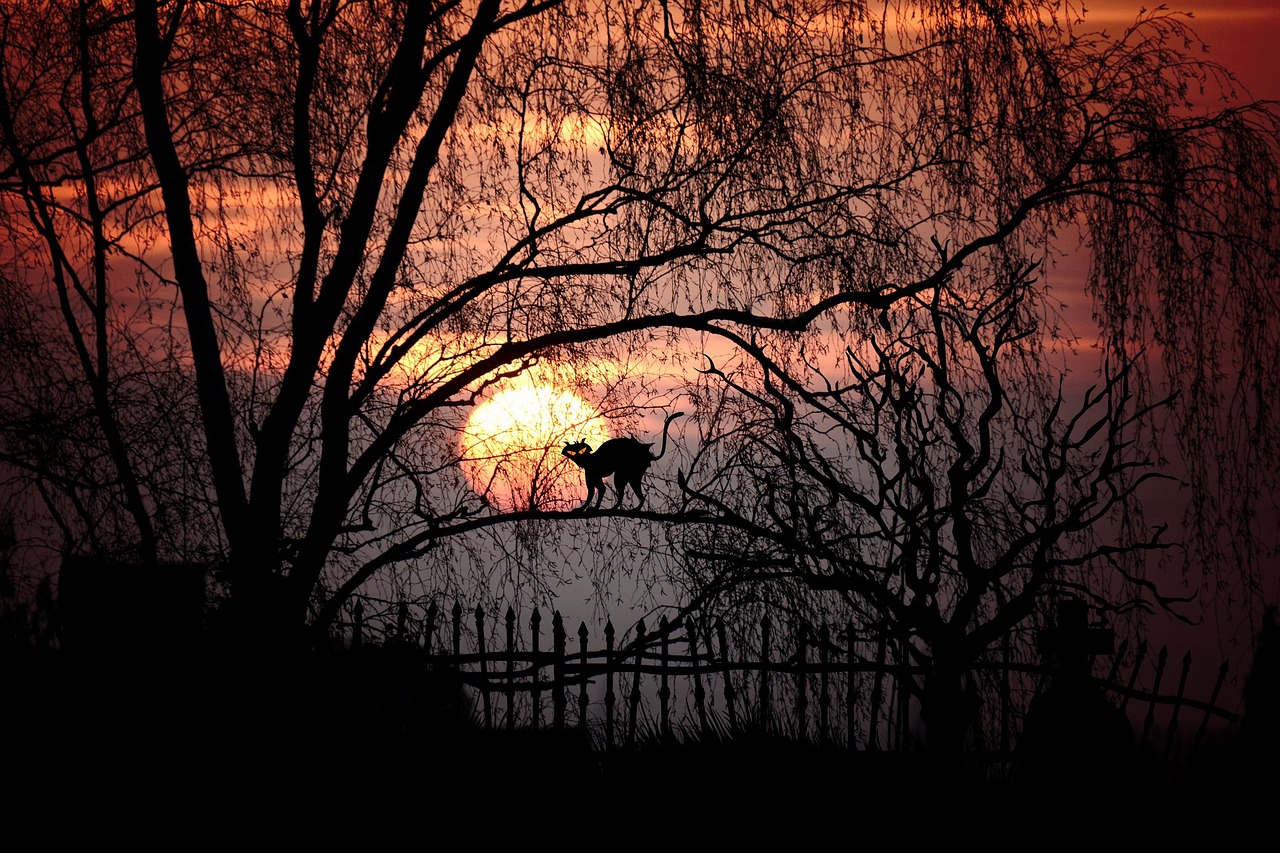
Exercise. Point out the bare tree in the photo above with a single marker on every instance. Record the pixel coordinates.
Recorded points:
(931, 486)
(338, 226)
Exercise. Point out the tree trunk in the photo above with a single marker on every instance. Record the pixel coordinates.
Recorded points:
(948, 709)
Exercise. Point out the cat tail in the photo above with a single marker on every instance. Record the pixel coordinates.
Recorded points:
(671, 417)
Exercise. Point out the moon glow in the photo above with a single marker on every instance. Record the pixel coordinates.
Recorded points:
(511, 447)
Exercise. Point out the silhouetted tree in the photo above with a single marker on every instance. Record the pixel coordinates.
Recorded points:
(931, 486)
(279, 250)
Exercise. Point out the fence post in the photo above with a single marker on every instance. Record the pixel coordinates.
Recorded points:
(1133, 673)
(582, 691)
(511, 665)
(457, 632)
(1177, 705)
(699, 693)
(1006, 692)
(877, 695)
(402, 617)
(534, 622)
(484, 668)
(664, 692)
(1213, 700)
(1155, 691)
(729, 692)
(902, 735)
(430, 631)
(357, 627)
(1115, 660)
(802, 692)
(850, 687)
(635, 685)
(764, 715)
(557, 671)
(824, 697)
(609, 697)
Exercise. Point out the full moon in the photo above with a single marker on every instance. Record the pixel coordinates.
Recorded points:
(511, 447)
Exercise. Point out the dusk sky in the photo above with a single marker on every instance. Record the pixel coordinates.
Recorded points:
(1243, 37)
(341, 293)
(1240, 35)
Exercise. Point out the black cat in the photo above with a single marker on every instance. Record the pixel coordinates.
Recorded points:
(626, 459)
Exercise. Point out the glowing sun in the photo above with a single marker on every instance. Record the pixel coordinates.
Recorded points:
(511, 447)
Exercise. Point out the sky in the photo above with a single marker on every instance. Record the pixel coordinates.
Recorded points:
(1243, 37)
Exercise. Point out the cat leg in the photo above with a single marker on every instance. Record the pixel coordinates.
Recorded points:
(593, 491)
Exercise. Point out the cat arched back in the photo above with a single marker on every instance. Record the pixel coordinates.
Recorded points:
(625, 459)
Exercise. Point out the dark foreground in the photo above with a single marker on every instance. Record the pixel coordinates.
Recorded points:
(224, 741)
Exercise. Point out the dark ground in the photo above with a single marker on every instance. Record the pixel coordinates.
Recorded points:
(227, 742)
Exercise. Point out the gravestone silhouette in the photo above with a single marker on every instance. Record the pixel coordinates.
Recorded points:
(1074, 739)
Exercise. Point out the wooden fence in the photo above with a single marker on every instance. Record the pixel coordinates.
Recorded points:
(813, 689)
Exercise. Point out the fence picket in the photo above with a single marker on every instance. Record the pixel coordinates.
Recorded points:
(824, 697)
(1006, 693)
(877, 693)
(635, 686)
(430, 630)
(609, 697)
(802, 695)
(763, 716)
(1208, 711)
(1177, 704)
(535, 621)
(457, 629)
(664, 690)
(699, 692)
(850, 690)
(357, 628)
(484, 667)
(402, 618)
(511, 666)
(557, 671)
(582, 688)
(729, 692)
(1133, 674)
(1155, 689)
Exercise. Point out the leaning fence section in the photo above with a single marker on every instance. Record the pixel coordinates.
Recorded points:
(676, 678)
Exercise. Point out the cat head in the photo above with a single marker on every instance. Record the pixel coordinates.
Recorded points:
(577, 449)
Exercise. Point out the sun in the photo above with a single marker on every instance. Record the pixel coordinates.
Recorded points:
(511, 447)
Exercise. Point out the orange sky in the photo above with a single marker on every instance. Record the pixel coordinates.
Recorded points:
(1243, 36)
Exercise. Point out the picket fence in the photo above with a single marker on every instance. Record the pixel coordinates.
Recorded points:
(677, 677)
